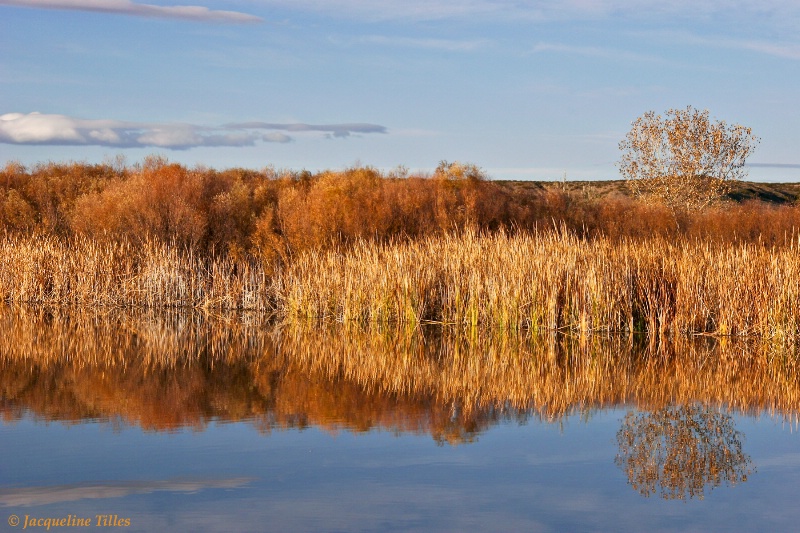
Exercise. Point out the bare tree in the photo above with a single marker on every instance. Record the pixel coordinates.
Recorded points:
(684, 159)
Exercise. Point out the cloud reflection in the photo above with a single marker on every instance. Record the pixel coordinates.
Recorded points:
(33, 496)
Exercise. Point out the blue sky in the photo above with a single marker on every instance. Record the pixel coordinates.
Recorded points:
(525, 90)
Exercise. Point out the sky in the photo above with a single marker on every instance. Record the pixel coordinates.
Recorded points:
(541, 90)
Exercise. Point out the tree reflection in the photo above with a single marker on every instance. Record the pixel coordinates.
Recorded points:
(681, 450)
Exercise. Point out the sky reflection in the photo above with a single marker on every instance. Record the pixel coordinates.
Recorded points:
(217, 424)
(31, 496)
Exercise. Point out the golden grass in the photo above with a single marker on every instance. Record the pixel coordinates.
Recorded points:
(552, 281)
(88, 273)
(551, 375)
(541, 281)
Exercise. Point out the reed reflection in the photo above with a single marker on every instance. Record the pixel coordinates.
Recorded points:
(680, 451)
(167, 370)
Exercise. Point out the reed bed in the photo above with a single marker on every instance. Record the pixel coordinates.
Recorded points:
(537, 281)
(88, 273)
(552, 280)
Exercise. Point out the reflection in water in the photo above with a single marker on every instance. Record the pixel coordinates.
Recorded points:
(46, 495)
(681, 450)
(163, 371)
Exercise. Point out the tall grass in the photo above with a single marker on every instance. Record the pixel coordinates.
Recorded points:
(527, 281)
(371, 247)
(553, 281)
(552, 374)
(89, 273)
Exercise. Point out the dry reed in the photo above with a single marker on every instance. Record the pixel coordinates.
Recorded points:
(550, 280)
(88, 273)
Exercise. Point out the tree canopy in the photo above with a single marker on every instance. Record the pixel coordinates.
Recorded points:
(684, 159)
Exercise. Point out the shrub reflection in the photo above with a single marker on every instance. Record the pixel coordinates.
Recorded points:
(167, 370)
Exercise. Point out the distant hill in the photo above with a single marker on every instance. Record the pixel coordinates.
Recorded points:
(775, 193)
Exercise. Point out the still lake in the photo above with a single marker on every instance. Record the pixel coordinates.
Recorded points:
(192, 422)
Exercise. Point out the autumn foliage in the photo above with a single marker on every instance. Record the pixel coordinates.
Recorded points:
(270, 216)
(265, 214)
(684, 159)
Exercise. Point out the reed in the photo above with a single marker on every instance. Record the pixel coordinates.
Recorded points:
(539, 281)
(42, 269)
(552, 280)
(551, 375)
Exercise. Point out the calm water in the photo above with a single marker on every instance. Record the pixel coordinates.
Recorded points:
(196, 423)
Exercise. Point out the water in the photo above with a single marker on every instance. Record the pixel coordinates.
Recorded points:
(195, 423)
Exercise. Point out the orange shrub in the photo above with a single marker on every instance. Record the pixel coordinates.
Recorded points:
(157, 200)
(270, 216)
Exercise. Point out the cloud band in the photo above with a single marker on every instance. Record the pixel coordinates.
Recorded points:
(126, 7)
(45, 129)
(773, 165)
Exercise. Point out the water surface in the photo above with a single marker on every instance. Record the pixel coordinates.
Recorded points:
(190, 422)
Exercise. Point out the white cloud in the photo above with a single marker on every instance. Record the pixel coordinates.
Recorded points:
(777, 48)
(331, 130)
(541, 10)
(276, 137)
(176, 135)
(45, 129)
(389, 9)
(785, 50)
(126, 7)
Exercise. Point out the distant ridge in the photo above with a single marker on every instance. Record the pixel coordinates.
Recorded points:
(743, 191)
